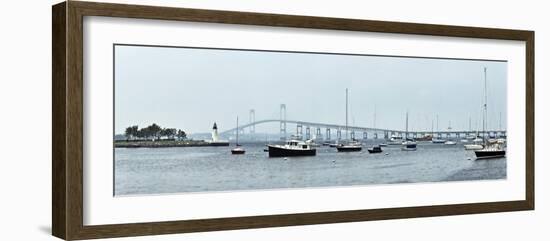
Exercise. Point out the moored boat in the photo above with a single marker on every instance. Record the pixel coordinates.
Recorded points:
(438, 141)
(352, 146)
(349, 146)
(408, 144)
(473, 147)
(291, 148)
(375, 149)
(238, 150)
(450, 143)
(491, 150)
(395, 140)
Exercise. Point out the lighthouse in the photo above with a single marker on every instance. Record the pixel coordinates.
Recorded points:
(215, 136)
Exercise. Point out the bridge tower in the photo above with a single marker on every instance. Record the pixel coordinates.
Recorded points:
(252, 119)
(282, 126)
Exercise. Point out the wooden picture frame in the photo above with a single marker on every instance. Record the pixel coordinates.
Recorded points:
(67, 122)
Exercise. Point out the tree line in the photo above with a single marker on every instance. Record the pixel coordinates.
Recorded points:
(153, 131)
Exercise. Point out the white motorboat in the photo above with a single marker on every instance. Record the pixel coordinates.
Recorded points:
(449, 143)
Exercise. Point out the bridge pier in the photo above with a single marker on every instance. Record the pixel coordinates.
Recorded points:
(352, 135)
(339, 134)
(386, 135)
(327, 135)
(318, 133)
(308, 134)
(375, 135)
(299, 131)
(282, 125)
(365, 135)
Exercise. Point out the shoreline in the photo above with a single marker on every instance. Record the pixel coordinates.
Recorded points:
(166, 143)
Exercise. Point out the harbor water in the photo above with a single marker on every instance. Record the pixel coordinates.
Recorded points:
(141, 171)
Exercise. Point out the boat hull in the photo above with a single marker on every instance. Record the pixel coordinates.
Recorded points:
(237, 152)
(409, 147)
(375, 151)
(349, 148)
(284, 152)
(490, 154)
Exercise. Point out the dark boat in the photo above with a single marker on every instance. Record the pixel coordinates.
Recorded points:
(491, 150)
(486, 154)
(238, 150)
(291, 148)
(409, 144)
(349, 146)
(375, 149)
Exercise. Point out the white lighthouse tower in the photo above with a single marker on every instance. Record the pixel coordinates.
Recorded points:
(215, 136)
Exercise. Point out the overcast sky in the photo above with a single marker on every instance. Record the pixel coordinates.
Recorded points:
(190, 89)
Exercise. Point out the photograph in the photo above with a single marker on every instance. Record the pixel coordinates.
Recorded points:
(196, 119)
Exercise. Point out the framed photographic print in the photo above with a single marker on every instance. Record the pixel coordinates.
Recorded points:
(171, 120)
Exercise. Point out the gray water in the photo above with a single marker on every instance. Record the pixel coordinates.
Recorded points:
(199, 169)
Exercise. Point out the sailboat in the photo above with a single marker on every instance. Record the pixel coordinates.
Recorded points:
(238, 149)
(349, 146)
(477, 141)
(450, 142)
(434, 139)
(491, 149)
(408, 144)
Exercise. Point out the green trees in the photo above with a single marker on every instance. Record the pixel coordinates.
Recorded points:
(181, 134)
(131, 132)
(153, 131)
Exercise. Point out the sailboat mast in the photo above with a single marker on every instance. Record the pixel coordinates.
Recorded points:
(237, 141)
(432, 127)
(407, 125)
(485, 102)
(374, 119)
(346, 113)
(500, 121)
